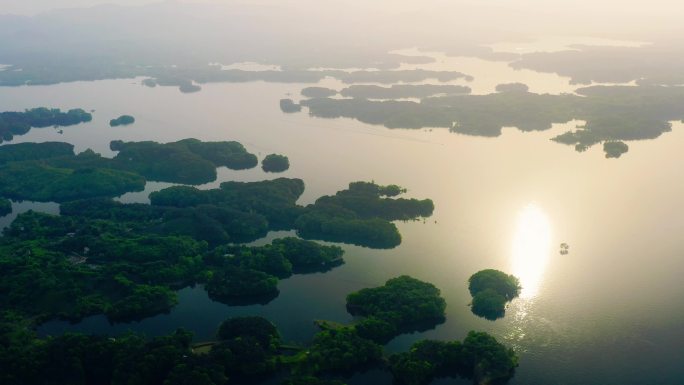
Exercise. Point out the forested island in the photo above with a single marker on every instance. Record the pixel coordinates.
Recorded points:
(275, 163)
(122, 120)
(184, 85)
(615, 149)
(289, 106)
(20, 123)
(491, 290)
(318, 92)
(400, 91)
(186, 161)
(611, 113)
(403, 305)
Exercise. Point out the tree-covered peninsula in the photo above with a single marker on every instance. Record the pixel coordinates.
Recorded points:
(52, 172)
(360, 215)
(186, 161)
(19, 123)
(491, 290)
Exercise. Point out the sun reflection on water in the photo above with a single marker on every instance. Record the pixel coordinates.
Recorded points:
(531, 249)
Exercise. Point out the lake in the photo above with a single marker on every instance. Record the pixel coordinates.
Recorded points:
(608, 312)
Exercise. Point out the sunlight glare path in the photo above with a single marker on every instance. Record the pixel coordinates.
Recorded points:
(531, 249)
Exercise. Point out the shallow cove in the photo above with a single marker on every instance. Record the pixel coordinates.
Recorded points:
(608, 312)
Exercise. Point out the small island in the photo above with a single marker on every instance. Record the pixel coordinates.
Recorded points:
(275, 163)
(512, 87)
(615, 149)
(122, 120)
(289, 106)
(564, 248)
(491, 290)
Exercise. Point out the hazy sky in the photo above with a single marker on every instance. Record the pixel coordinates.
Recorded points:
(29, 7)
(605, 17)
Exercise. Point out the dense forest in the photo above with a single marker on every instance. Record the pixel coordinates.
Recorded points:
(127, 260)
(245, 350)
(101, 256)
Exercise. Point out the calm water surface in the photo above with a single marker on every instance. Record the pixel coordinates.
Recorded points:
(609, 312)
